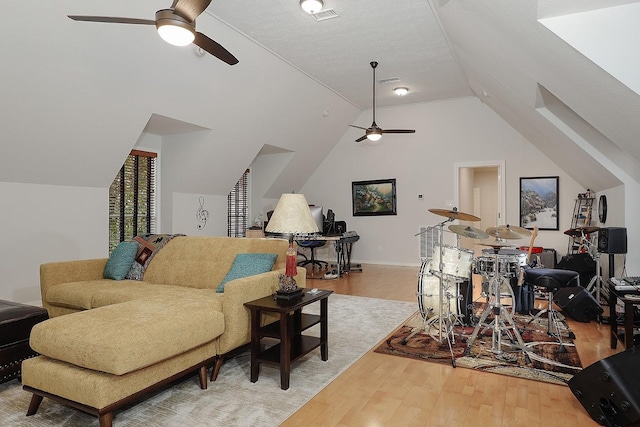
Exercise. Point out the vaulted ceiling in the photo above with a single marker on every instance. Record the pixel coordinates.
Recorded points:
(561, 72)
(524, 59)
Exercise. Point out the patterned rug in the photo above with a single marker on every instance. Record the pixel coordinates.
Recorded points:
(541, 362)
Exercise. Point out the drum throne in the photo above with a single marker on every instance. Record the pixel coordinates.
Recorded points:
(551, 279)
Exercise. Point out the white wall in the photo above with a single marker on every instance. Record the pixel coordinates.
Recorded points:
(447, 132)
(46, 223)
(187, 208)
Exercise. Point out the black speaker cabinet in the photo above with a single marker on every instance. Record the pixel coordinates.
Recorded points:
(577, 303)
(583, 264)
(610, 389)
(612, 240)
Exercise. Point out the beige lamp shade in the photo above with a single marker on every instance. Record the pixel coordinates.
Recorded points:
(292, 216)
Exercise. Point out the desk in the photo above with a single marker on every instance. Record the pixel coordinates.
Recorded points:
(627, 298)
(293, 344)
(334, 239)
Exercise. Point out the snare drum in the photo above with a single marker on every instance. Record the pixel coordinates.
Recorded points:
(509, 263)
(456, 261)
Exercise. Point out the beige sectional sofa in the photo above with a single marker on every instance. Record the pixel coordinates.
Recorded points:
(109, 341)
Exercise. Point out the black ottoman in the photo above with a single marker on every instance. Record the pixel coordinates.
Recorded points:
(16, 321)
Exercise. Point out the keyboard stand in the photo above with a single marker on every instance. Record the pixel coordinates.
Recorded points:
(347, 246)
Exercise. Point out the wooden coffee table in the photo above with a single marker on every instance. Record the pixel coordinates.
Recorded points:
(288, 329)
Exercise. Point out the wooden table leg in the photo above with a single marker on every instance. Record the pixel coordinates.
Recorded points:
(628, 324)
(255, 345)
(324, 329)
(285, 351)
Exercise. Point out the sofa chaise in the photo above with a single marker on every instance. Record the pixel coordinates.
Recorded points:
(110, 341)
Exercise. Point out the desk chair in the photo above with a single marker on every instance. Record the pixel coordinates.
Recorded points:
(312, 245)
(551, 279)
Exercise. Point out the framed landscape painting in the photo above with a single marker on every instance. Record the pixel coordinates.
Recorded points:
(539, 203)
(376, 197)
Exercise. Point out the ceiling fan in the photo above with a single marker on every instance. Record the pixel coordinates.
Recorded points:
(374, 133)
(176, 25)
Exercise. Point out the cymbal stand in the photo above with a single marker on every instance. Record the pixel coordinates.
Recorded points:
(596, 281)
(445, 326)
(502, 320)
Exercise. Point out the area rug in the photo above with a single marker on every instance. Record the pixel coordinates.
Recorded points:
(544, 363)
(233, 400)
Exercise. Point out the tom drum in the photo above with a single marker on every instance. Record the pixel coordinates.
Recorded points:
(456, 262)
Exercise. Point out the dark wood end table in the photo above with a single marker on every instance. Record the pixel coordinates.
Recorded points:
(288, 329)
(629, 299)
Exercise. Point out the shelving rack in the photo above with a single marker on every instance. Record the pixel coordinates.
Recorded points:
(582, 213)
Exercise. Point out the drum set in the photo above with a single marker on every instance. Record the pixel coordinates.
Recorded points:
(443, 276)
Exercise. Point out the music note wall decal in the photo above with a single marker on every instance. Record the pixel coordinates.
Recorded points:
(202, 215)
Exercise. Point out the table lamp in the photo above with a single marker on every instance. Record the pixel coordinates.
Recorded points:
(291, 217)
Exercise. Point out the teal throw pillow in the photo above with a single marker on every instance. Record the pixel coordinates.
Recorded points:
(121, 260)
(248, 265)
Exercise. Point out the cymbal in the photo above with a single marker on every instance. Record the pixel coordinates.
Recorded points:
(454, 214)
(496, 245)
(508, 232)
(577, 232)
(467, 231)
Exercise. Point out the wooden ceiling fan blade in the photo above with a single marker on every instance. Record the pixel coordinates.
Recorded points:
(214, 49)
(190, 9)
(112, 19)
(399, 131)
(362, 138)
(358, 127)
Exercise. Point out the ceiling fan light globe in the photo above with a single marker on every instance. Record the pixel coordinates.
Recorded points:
(374, 136)
(311, 6)
(176, 35)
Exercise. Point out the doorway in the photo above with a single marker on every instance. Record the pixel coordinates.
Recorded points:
(480, 191)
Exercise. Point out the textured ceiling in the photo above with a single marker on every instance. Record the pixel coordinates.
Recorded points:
(497, 50)
(404, 37)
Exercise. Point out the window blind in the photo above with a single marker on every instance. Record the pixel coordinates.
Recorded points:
(132, 198)
(237, 207)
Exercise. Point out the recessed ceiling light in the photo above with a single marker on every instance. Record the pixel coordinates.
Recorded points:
(401, 91)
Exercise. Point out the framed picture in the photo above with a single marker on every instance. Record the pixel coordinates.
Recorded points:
(539, 202)
(376, 197)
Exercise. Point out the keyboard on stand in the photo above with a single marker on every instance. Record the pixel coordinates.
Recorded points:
(633, 280)
(624, 285)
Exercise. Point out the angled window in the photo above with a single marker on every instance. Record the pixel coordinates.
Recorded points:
(132, 198)
(238, 207)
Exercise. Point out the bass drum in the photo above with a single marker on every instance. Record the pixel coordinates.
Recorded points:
(429, 295)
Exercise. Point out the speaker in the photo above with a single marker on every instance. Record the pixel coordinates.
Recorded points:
(610, 389)
(612, 240)
(583, 264)
(577, 303)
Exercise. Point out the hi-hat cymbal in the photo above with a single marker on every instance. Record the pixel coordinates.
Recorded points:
(577, 232)
(467, 231)
(454, 214)
(508, 232)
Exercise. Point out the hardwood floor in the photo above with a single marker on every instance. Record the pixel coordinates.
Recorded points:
(382, 390)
